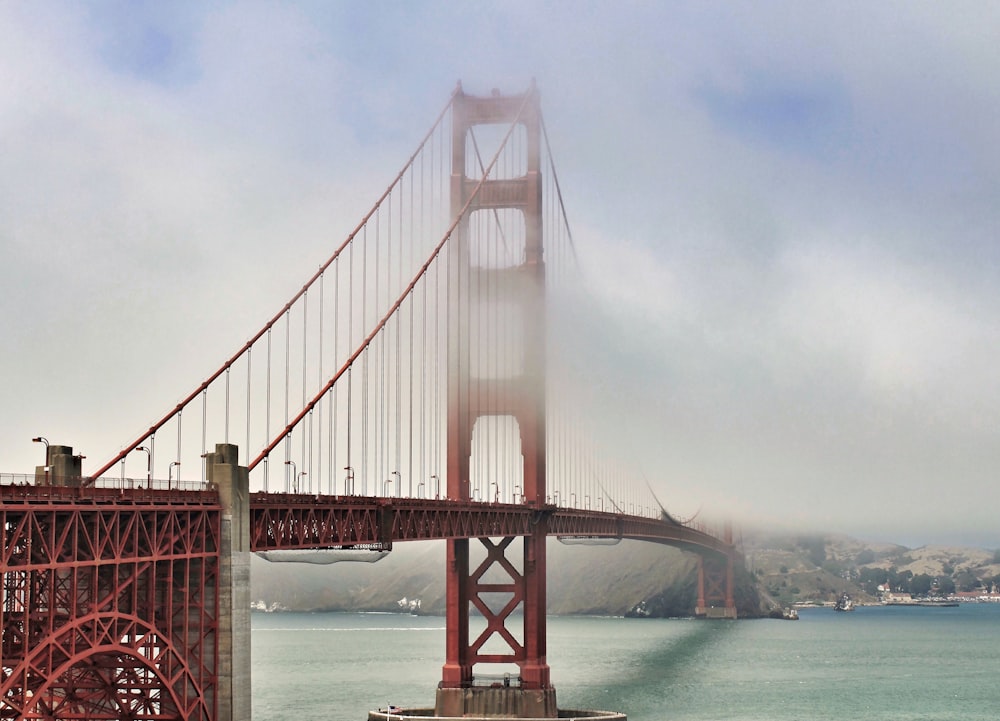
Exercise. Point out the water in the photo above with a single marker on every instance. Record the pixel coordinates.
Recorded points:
(885, 663)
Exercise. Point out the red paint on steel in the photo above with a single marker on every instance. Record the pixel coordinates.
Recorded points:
(109, 596)
(289, 522)
(521, 396)
(110, 604)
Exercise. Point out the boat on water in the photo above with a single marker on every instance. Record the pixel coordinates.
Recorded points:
(844, 603)
(787, 613)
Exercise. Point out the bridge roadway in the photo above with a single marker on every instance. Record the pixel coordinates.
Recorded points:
(286, 521)
(295, 521)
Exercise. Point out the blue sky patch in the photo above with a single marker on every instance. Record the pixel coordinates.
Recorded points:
(812, 120)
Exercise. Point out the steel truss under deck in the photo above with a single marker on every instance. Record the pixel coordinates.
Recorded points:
(109, 604)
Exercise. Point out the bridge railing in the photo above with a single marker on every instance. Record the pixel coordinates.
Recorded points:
(113, 482)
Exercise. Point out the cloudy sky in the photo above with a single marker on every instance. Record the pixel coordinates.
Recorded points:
(787, 213)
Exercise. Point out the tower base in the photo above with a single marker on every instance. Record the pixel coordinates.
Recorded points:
(496, 702)
(429, 714)
(714, 612)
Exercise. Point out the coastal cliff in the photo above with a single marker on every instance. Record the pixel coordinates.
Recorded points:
(598, 580)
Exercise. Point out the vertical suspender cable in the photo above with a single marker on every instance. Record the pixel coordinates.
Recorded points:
(319, 382)
(305, 355)
(204, 433)
(377, 349)
(180, 414)
(409, 385)
(288, 436)
(334, 407)
(267, 403)
(249, 368)
(226, 436)
(363, 461)
(399, 361)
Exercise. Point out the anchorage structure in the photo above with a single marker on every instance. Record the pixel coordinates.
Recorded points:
(110, 604)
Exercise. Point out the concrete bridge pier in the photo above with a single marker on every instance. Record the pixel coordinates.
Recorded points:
(496, 702)
(61, 467)
(233, 483)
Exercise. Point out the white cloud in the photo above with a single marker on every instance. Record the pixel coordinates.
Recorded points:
(787, 213)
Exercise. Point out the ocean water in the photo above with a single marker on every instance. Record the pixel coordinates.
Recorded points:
(876, 663)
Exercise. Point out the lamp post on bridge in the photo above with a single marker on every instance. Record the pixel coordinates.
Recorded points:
(420, 491)
(385, 487)
(399, 483)
(42, 439)
(149, 465)
(437, 486)
(292, 464)
(349, 481)
(170, 471)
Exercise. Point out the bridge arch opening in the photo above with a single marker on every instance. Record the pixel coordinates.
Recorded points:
(482, 142)
(122, 681)
(496, 467)
(497, 238)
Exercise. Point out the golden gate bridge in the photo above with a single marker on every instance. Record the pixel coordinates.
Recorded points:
(422, 384)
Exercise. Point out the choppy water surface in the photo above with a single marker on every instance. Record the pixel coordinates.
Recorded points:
(875, 663)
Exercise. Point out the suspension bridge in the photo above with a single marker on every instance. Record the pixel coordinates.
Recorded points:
(424, 383)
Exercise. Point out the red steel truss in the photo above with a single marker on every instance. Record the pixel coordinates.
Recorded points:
(110, 598)
(109, 603)
(290, 522)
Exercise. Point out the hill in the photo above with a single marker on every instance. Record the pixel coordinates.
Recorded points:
(604, 580)
(614, 580)
(818, 568)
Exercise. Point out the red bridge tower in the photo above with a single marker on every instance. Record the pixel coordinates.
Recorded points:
(519, 394)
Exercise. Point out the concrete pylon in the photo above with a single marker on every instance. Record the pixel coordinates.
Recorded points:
(61, 467)
(233, 483)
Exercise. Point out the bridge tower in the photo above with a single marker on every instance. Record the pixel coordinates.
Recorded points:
(716, 583)
(518, 394)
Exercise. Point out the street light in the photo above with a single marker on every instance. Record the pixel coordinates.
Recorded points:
(518, 493)
(399, 483)
(496, 494)
(385, 486)
(420, 489)
(41, 439)
(292, 464)
(437, 486)
(170, 470)
(149, 465)
(349, 481)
